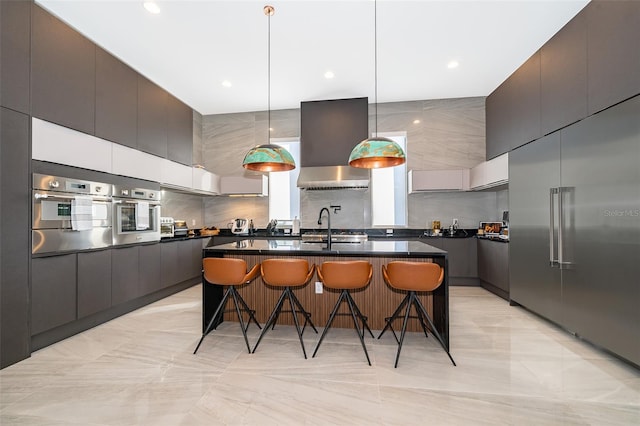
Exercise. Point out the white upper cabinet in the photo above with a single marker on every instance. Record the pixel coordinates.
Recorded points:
(240, 185)
(205, 181)
(131, 162)
(58, 144)
(438, 180)
(490, 173)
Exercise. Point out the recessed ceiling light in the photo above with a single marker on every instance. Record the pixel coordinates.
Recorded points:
(226, 83)
(416, 121)
(329, 75)
(151, 7)
(453, 64)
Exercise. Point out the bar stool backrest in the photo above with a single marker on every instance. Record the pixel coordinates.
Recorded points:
(413, 276)
(286, 272)
(224, 271)
(345, 274)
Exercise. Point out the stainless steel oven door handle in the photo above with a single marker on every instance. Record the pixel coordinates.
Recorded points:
(39, 196)
(151, 203)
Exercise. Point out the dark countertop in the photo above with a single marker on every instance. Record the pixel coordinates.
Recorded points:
(367, 248)
(496, 238)
(188, 237)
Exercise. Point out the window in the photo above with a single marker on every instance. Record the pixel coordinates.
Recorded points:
(284, 195)
(389, 191)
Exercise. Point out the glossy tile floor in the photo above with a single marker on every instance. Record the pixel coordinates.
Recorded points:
(513, 369)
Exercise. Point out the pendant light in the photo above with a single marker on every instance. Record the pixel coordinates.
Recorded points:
(376, 152)
(268, 157)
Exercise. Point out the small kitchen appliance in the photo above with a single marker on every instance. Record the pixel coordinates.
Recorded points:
(180, 228)
(240, 226)
(166, 227)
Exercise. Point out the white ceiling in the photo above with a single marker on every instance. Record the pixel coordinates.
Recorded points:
(192, 46)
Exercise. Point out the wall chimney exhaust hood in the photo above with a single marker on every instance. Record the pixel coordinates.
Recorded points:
(328, 132)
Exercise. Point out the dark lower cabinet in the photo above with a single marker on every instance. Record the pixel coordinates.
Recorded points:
(94, 282)
(196, 258)
(124, 275)
(493, 266)
(463, 255)
(169, 263)
(53, 292)
(149, 269)
(15, 243)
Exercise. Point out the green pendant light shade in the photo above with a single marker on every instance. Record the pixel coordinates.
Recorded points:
(375, 153)
(268, 158)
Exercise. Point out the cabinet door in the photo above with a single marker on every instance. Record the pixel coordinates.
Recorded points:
(179, 131)
(15, 245)
(63, 73)
(613, 31)
(533, 170)
(53, 292)
(196, 258)
(493, 263)
(169, 264)
(124, 275)
(149, 269)
(152, 118)
(601, 282)
(563, 76)
(513, 110)
(94, 282)
(15, 45)
(185, 260)
(116, 100)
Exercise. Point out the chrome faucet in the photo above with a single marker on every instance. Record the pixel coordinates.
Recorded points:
(324, 209)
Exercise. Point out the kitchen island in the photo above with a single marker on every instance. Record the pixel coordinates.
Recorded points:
(376, 301)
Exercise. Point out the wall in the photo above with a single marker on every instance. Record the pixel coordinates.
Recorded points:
(183, 206)
(441, 134)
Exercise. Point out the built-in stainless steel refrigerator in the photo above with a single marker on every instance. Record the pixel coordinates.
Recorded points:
(574, 206)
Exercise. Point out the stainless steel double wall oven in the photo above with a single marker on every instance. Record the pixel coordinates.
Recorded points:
(73, 214)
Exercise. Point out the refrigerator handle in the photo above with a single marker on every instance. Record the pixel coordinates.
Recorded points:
(552, 255)
(560, 227)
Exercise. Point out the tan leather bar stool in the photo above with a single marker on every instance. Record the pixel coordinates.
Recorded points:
(345, 276)
(287, 273)
(230, 273)
(413, 277)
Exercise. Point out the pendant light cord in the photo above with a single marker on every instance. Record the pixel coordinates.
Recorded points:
(375, 62)
(269, 11)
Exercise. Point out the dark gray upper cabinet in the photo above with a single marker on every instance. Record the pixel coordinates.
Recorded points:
(62, 73)
(513, 110)
(152, 118)
(124, 275)
(94, 282)
(179, 131)
(116, 100)
(53, 292)
(15, 244)
(15, 45)
(613, 52)
(563, 76)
